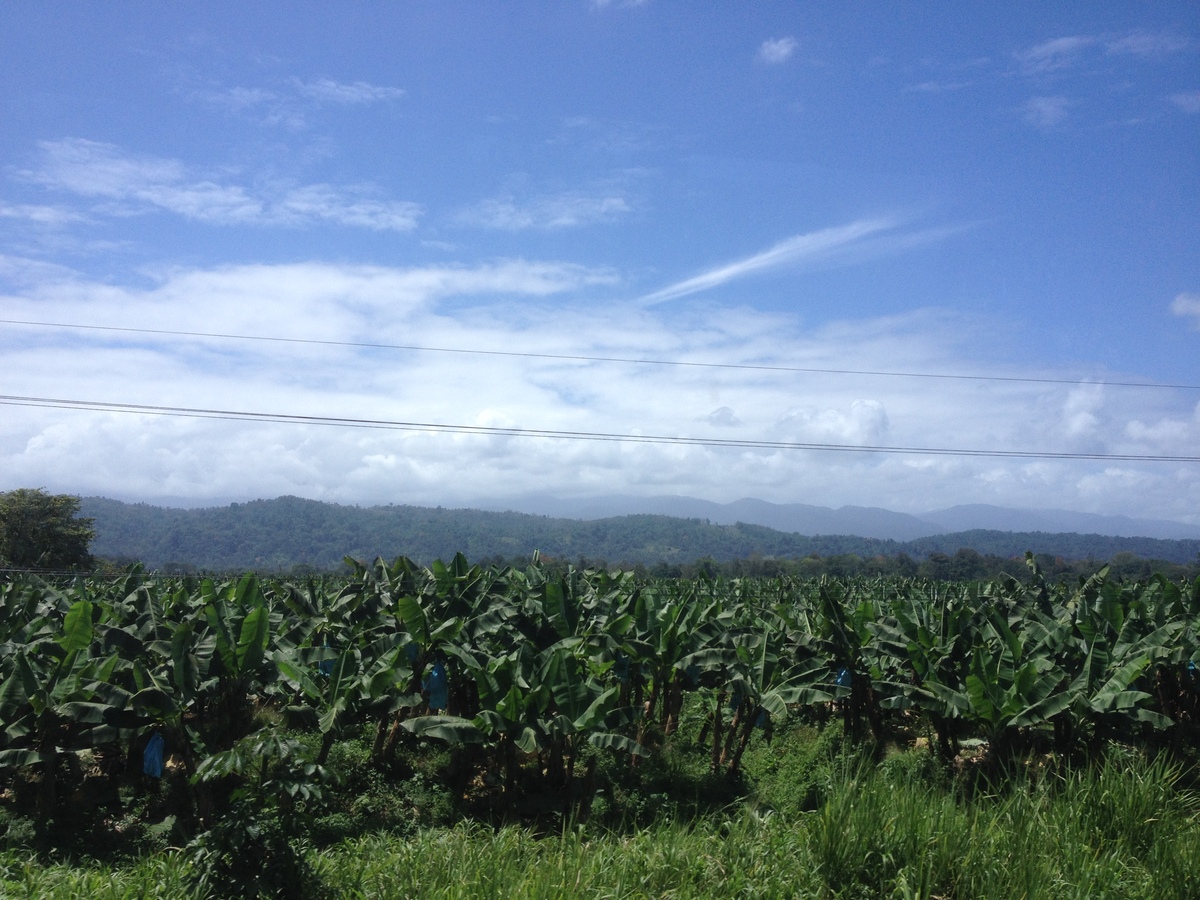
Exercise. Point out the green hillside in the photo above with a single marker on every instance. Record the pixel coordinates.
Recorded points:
(281, 534)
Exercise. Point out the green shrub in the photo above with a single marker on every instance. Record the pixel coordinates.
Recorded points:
(796, 771)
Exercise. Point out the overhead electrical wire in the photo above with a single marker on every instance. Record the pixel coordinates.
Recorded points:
(555, 434)
(630, 360)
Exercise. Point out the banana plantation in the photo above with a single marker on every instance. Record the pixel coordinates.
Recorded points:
(537, 682)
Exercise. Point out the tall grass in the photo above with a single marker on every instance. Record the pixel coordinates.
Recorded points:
(1126, 829)
(743, 857)
(164, 875)
(1123, 831)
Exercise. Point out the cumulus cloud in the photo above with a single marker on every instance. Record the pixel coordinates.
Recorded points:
(127, 184)
(723, 418)
(862, 423)
(776, 50)
(528, 307)
(1081, 411)
(1188, 306)
(566, 210)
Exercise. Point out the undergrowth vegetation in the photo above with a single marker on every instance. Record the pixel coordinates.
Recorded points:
(852, 827)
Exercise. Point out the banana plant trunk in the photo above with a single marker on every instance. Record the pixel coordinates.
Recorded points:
(747, 730)
(715, 762)
(47, 792)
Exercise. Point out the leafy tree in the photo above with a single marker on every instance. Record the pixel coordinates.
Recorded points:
(42, 531)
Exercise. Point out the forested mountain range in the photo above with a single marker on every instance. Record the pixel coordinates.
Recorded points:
(864, 521)
(290, 532)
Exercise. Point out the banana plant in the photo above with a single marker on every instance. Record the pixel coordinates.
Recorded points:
(930, 629)
(355, 681)
(764, 684)
(1010, 684)
(58, 697)
(836, 628)
(231, 653)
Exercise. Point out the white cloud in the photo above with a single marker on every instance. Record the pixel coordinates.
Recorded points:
(1188, 101)
(938, 87)
(1170, 431)
(723, 418)
(1081, 411)
(291, 104)
(239, 98)
(568, 210)
(26, 272)
(1187, 305)
(527, 306)
(52, 216)
(1054, 55)
(814, 245)
(862, 422)
(265, 106)
(323, 202)
(1064, 53)
(358, 93)
(1147, 44)
(776, 50)
(1046, 112)
(134, 185)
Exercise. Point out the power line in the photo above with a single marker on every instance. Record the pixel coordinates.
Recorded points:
(631, 360)
(554, 434)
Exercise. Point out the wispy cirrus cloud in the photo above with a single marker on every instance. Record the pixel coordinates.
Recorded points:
(566, 210)
(1147, 44)
(291, 104)
(1063, 53)
(36, 214)
(1084, 58)
(1188, 306)
(1054, 55)
(356, 93)
(938, 87)
(802, 247)
(263, 106)
(776, 50)
(1046, 112)
(127, 184)
(1188, 101)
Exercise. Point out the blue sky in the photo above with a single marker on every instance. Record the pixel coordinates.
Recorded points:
(919, 188)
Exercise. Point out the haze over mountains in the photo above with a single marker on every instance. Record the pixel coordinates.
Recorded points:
(279, 534)
(861, 521)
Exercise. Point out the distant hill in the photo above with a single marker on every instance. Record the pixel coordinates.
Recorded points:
(797, 518)
(995, 518)
(864, 521)
(289, 531)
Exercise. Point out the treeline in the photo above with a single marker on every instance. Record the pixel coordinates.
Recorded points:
(290, 534)
(964, 564)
